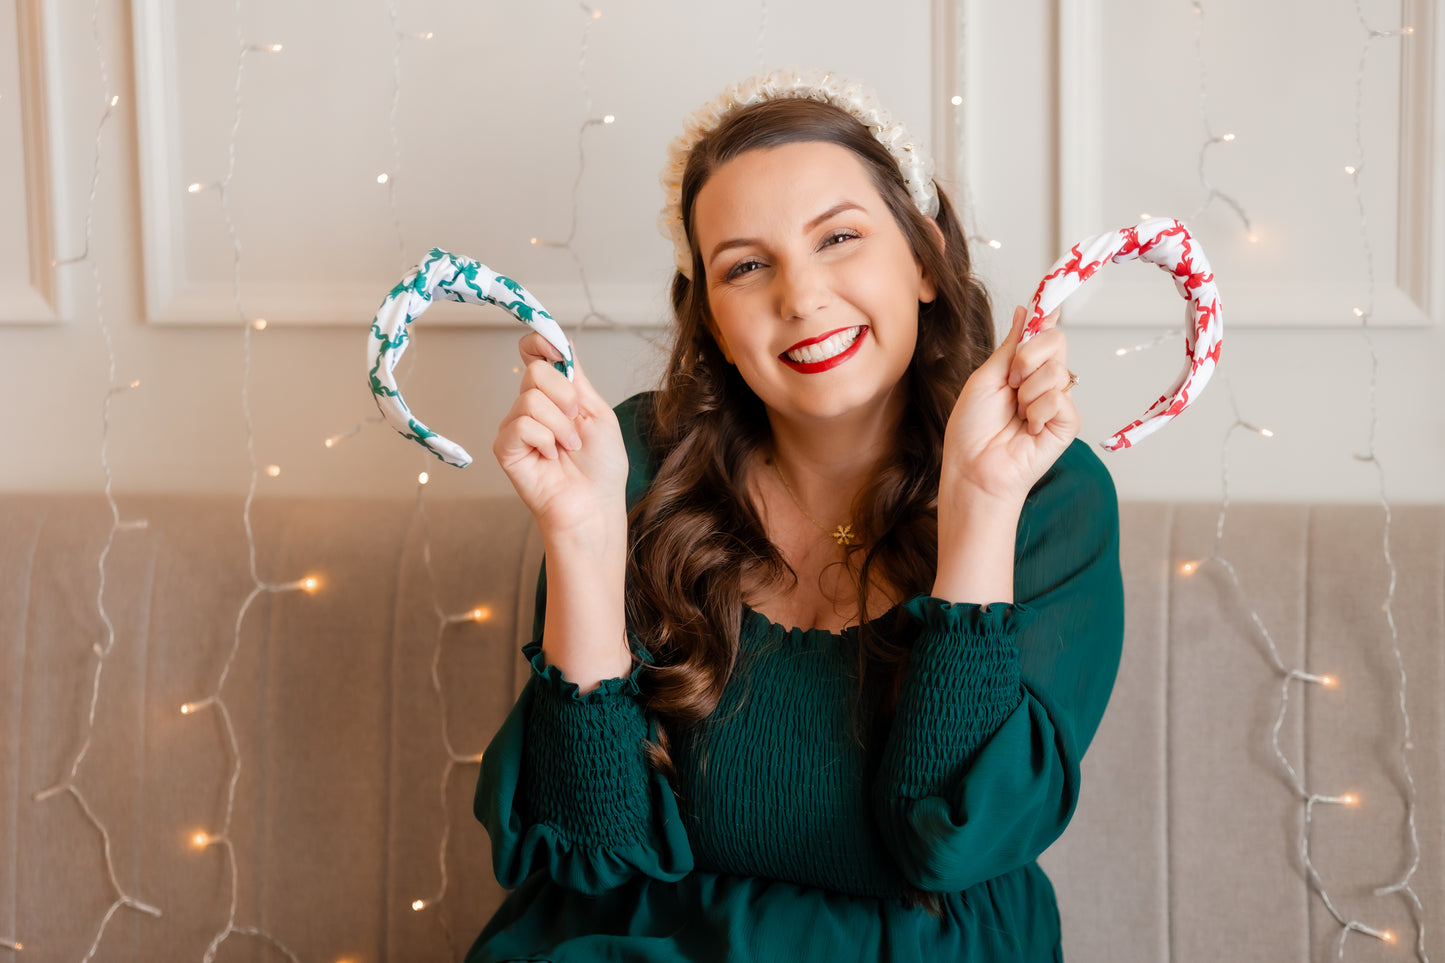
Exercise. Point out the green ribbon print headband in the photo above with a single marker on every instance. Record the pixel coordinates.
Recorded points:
(454, 278)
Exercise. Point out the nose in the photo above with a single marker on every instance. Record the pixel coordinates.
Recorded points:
(802, 289)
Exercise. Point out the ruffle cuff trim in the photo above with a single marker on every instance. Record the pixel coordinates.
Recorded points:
(562, 688)
(969, 618)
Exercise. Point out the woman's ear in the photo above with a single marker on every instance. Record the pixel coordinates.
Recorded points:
(927, 287)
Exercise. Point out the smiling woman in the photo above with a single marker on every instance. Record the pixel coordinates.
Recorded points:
(828, 620)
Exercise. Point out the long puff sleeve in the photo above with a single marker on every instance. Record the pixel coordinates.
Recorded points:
(564, 785)
(980, 770)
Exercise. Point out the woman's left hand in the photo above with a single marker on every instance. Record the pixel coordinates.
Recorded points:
(1013, 418)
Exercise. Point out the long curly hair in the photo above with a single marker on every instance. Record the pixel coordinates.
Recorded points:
(697, 543)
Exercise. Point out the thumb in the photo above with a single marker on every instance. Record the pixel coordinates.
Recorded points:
(1002, 358)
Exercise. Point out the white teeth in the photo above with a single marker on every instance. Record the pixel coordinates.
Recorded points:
(824, 350)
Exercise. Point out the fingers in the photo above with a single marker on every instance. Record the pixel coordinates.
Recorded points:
(1042, 397)
(1048, 344)
(543, 416)
(1052, 406)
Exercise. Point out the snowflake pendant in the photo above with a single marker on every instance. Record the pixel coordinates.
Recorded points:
(843, 535)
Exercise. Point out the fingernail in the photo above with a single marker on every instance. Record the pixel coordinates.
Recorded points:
(575, 442)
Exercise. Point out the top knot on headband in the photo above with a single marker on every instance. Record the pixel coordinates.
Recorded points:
(914, 161)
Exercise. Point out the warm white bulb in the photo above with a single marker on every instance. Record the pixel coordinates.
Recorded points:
(1359, 313)
(1120, 352)
(311, 583)
(995, 244)
(1387, 936)
(187, 709)
(423, 478)
(330, 442)
(955, 100)
(1188, 568)
(1407, 32)
(1144, 216)
(1253, 237)
(1328, 681)
(1266, 432)
(382, 178)
(273, 470)
(1227, 137)
(135, 384)
(418, 904)
(536, 241)
(1350, 799)
(194, 188)
(428, 35)
(115, 100)
(481, 613)
(259, 324)
(1349, 169)
(275, 48)
(200, 840)
(609, 119)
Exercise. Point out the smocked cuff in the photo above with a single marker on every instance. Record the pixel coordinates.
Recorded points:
(962, 683)
(585, 773)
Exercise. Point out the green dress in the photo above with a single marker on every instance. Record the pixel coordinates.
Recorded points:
(794, 843)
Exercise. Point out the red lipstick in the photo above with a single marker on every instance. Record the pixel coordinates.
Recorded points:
(833, 362)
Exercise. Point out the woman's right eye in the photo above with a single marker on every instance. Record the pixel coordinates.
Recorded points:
(743, 267)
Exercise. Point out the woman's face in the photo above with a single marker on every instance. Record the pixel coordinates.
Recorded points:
(812, 287)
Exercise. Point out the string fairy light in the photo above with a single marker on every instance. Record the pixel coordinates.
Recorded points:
(203, 839)
(422, 479)
(1352, 800)
(68, 785)
(591, 15)
(389, 179)
(480, 613)
(1403, 884)
(1211, 193)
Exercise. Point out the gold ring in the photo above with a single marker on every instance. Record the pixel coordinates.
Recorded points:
(1073, 380)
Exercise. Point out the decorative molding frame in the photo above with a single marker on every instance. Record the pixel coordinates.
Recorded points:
(44, 299)
(171, 298)
(1414, 298)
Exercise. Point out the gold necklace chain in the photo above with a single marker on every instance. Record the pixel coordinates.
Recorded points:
(843, 534)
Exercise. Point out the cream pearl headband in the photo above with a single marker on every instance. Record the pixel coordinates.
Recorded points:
(914, 161)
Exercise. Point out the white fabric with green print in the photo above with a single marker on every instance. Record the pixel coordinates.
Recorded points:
(454, 278)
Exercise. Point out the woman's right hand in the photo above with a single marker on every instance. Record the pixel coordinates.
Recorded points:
(561, 447)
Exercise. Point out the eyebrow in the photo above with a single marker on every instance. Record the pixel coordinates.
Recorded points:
(833, 211)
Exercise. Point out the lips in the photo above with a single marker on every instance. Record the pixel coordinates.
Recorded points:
(825, 351)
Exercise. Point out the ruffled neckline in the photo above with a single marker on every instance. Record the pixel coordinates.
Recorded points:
(769, 628)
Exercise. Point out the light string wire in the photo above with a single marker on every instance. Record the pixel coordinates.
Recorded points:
(1211, 193)
(591, 14)
(478, 614)
(454, 758)
(1309, 799)
(102, 652)
(216, 700)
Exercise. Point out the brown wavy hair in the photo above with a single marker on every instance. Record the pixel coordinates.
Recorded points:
(697, 543)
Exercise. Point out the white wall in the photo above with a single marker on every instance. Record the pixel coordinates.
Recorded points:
(318, 114)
